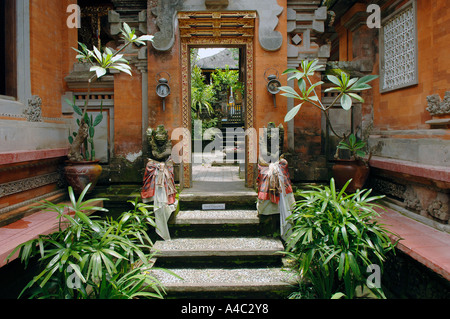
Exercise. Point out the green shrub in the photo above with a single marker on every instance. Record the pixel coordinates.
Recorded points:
(334, 238)
(93, 258)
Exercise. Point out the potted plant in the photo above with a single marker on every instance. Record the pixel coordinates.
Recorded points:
(347, 88)
(355, 167)
(335, 241)
(82, 168)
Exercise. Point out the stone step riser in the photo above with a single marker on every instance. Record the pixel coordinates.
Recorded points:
(236, 294)
(255, 283)
(214, 231)
(268, 226)
(243, 203)
(214, 262)
(219, 252)
(215, 223)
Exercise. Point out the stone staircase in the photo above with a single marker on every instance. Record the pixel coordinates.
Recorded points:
(221, 253)
(233, 136)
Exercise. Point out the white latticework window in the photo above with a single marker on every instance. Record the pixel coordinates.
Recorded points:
(399, 49)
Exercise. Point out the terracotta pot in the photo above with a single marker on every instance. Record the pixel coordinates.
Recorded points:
(343, 170)
(81, 174)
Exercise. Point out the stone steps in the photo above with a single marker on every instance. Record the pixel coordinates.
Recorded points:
(217, 217)
(215, 223)
(226, 283)
(226, 251)
(194, 247)
(221, 253)
(232, 194)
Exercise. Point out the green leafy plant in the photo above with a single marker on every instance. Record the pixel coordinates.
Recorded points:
(226, 78)
(201, 94)
(201, 100)
(90, 257)
(355, 147)
(100, 64)
(206, 125)
(334, 238)
(88, 149)
(223, 81)
(346, 86)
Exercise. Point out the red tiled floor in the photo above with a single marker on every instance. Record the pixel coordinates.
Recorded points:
(15, 234)
(427, 245)
(28, 228)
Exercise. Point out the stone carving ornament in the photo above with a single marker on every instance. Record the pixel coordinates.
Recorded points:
(268, 12)
(438, 106)
(27, 184)
(160, 144)
(390, 188)
(271, 136)
(33, 112)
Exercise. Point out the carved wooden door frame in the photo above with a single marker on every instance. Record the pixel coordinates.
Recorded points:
(245, 42)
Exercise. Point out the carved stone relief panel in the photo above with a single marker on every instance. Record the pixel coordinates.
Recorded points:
(303, 26)
(419, 199)
(268, 12)
(28, 183)
(438, 106)
(33, 112)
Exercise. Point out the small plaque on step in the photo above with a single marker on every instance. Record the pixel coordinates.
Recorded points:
(213, 206)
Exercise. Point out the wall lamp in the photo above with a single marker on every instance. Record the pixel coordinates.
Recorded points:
(273, 84)
(163, 88)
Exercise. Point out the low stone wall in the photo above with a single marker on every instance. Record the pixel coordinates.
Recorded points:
(27, 177)
(421, 189)
(412, 168)
(404, 277)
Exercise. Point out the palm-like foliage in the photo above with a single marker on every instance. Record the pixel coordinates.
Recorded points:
(335, 237)
(92, 258)
(345, 86)
(201, 100)
(201, 94)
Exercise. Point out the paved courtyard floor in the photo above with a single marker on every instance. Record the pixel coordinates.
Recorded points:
(209, 178)
(213, 168)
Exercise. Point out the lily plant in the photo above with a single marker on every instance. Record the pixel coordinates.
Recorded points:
(100, 62)
(346, 86)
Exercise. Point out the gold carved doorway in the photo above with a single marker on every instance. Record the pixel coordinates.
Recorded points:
(218, 29)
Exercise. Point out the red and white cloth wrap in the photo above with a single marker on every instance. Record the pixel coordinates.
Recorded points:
(159, 188)
(275, 195)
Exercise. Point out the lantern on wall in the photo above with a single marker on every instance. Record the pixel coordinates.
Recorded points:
(163, 88)
(273, 84)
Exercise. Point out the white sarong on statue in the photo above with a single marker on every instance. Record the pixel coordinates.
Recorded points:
(286, 202)
(162, 209)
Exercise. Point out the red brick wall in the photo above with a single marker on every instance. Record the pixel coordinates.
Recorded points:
(264, 110)
(51, 54)
(127, 113)
(169, 62)
(406, 108)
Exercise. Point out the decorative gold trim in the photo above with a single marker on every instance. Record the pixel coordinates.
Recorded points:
(217, 24)
(241, 41)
